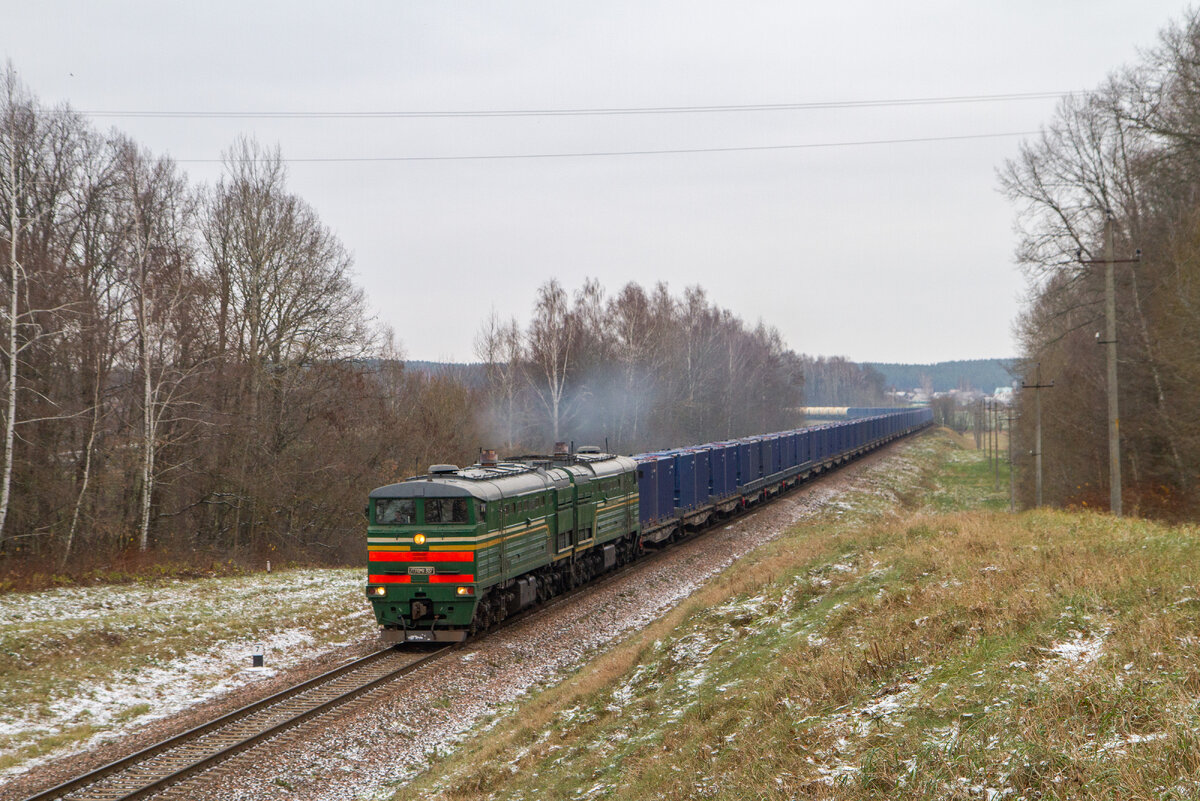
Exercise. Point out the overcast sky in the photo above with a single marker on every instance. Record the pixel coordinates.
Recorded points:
(881, 252)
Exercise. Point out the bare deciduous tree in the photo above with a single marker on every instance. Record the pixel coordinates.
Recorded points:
(1131, 149)
(500, 347)
(37, 162)
(551, 341)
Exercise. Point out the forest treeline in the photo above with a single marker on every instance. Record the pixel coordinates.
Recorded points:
(983, 375)
(637, 371)
(190, 372)
(1128, 152)
(188, 369)
(837, 381)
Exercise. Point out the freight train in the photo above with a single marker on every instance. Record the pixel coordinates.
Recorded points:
(458, 550)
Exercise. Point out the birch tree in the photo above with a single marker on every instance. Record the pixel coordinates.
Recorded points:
(499, 346)
(633, 328)
(18, 129)
(37, 158)
(96, 257)
(159, 214)
(551, 341)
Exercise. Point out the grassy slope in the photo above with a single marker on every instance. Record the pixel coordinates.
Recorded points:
(913, 642)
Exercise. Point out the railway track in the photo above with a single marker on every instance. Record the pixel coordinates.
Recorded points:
(198, 750)
(159, 767)
(165, 764)
(162, 765)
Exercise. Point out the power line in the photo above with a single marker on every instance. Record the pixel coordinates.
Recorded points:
(602, 153)
(575, 112)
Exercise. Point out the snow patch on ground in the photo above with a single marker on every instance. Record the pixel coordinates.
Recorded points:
(157, 686)
(1118, 744)
(1079, 649)
(179, 683)
(1074, 654)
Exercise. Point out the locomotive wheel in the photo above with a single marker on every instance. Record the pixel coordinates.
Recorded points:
(483, 616)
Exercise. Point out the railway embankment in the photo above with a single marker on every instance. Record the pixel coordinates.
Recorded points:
(911, 639)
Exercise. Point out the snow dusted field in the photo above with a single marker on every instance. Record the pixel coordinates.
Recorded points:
(84, 665)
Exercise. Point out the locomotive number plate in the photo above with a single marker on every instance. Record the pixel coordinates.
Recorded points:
(420, 571)
(418, 636)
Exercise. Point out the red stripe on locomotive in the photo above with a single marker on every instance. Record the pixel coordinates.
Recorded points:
(421, 556)
(444, 578)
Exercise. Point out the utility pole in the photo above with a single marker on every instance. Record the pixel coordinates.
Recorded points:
(1012, 481)
(1110, 343)
(1037, 388)
(1110, 333)
(987, 422)
(996, 442)
(978, 424)
(985, 411)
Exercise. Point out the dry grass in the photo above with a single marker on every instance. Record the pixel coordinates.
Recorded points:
(888, 651)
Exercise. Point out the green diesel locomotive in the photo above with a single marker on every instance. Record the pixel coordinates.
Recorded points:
(459, 550)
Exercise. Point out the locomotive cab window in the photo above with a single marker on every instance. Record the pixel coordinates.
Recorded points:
(445, 510)
(395, 511)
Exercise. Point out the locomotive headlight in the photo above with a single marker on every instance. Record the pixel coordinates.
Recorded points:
(464, 590)
(376, 592)
(419, 539)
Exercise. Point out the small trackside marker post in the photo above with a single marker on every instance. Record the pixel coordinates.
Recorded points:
(256, 655)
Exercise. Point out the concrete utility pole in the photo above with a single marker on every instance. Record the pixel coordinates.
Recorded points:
(1110, 343)
(1110, 334)
(987, 429)
(1012, 481)
(1037, 388)
(996, 442)
(987, 419)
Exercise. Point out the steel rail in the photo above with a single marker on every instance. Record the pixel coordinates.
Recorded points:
(277, 713)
